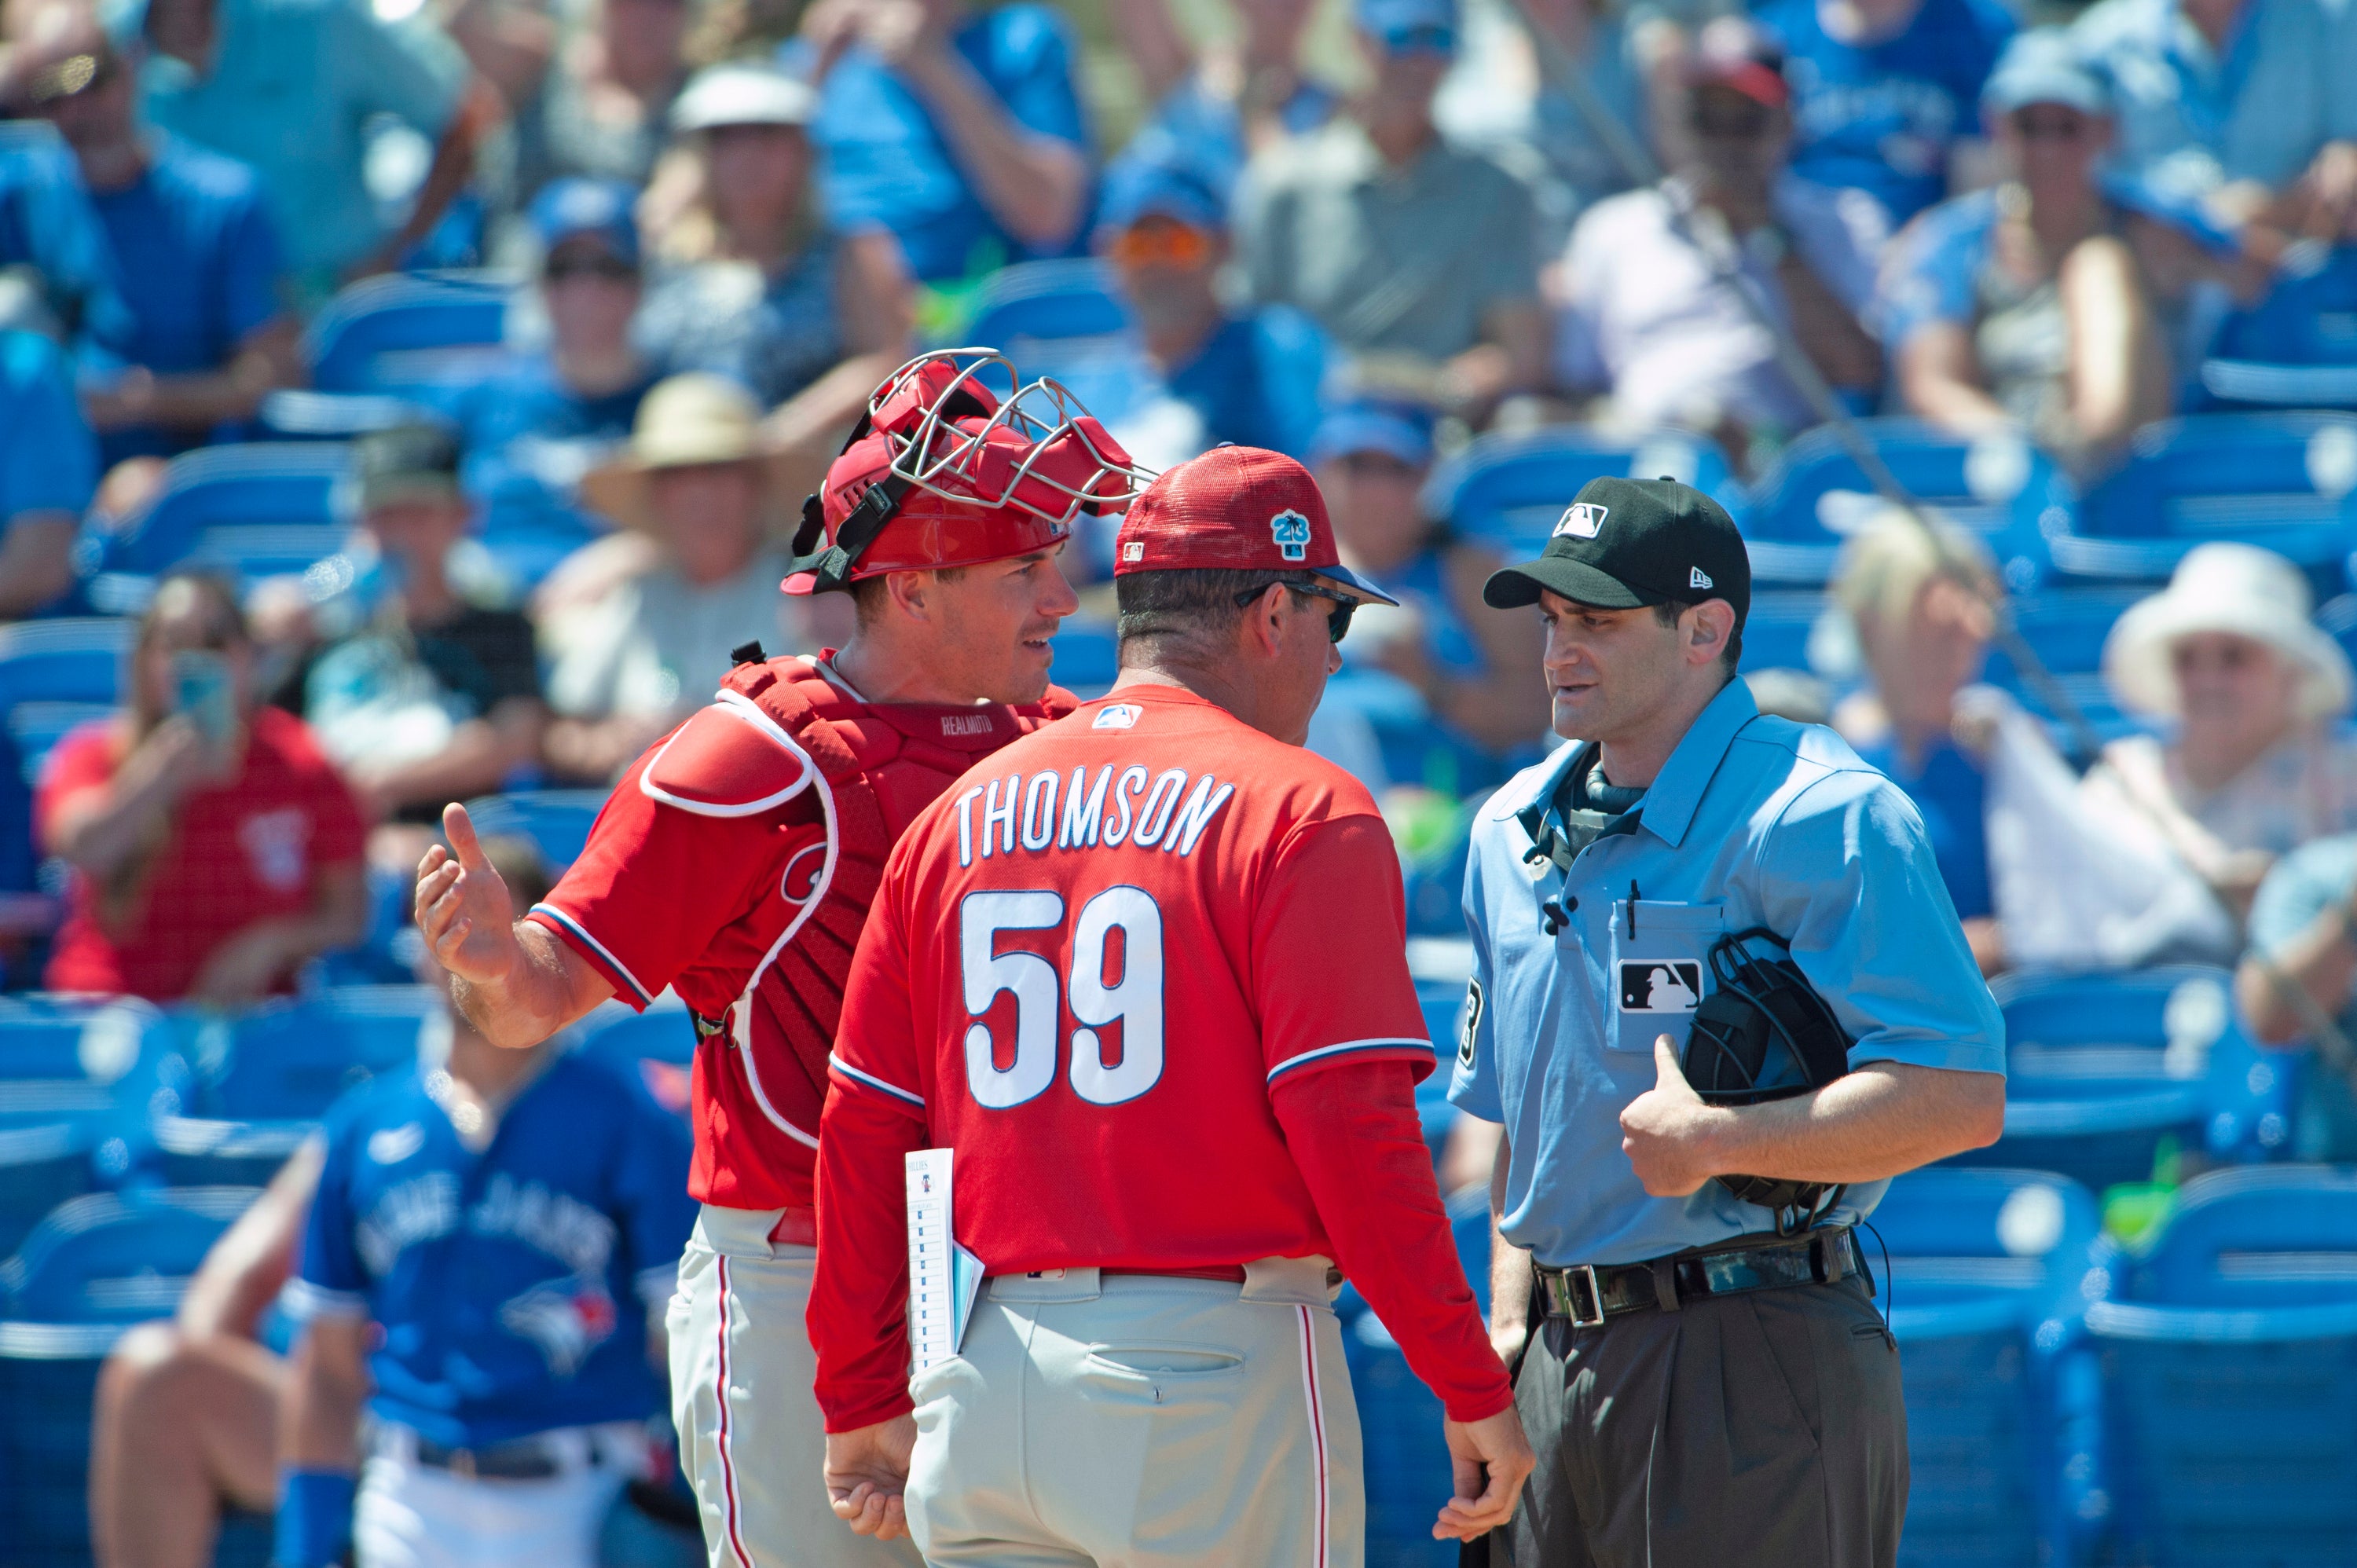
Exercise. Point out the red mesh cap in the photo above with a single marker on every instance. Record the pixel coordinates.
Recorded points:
(1236, 509)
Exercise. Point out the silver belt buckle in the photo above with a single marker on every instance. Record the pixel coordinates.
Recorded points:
(1571, 1278)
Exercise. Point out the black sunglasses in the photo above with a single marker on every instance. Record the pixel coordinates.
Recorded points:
(1338, 621)
(611, 268)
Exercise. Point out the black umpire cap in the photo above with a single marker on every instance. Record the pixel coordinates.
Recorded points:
(1628, 543)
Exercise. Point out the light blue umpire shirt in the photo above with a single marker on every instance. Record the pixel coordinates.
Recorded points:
(1754, 821)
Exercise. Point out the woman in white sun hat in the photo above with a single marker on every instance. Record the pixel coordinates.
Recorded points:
(2251, 768)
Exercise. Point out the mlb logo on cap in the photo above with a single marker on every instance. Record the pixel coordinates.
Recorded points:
(1581, 520)
(1236, 509)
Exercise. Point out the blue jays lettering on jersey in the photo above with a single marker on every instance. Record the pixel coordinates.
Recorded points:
(510, 1284)
(1754, 821)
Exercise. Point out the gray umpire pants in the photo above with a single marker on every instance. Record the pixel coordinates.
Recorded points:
(1763, 1430)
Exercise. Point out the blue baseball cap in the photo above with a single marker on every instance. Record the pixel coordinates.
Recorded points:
(1138, 188)
(2043, 66)
(570, 207)
(1396, 430)
(1408, 25)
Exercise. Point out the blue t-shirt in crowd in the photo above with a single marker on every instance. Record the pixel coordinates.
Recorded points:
(1254, 382)
(511, 1284)
(887, 163)
(201, 270)
(529, 438)
(1951, 793)
(48, 461)
(46, 222)
(1882, 117)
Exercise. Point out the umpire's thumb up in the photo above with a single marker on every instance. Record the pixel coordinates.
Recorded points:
(459, 829)
(1669, 1078)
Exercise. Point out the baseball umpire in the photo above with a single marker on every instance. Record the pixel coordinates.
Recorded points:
(1698, 892)
(735, 863)
(1143, 973)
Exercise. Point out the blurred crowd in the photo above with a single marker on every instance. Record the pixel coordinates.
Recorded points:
(1360, 234)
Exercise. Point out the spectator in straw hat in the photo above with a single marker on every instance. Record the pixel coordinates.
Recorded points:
(635, 660)
(2227, 655)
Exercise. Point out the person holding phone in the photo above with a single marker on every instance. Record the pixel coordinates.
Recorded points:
(214, 849)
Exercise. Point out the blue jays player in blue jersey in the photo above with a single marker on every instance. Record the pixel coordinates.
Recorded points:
(489, 1232)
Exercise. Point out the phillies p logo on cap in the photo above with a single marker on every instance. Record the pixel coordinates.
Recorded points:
(1291, 532)
(1581, 520)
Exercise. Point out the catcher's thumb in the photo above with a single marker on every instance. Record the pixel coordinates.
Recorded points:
(459, 829)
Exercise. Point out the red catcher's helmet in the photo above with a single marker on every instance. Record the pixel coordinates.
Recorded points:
(944, 472)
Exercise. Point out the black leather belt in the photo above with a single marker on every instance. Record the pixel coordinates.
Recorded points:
(1588, 1294)
(525, 1459)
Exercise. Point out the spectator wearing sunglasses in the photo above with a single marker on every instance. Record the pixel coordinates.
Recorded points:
(1249, 377)
(1415, 255)
(1648, 312)
(196, 252)
(1884, 93)
(2044, 303)
(532, 431)
(214, 850)
(759, 287)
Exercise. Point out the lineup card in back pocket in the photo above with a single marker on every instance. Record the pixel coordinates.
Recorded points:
(943, 1277)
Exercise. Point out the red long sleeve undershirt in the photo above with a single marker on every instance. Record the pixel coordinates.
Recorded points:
(1354, 1133)
(1351, 1130)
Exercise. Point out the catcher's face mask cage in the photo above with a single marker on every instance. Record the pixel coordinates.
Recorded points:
(980, 474)
(1765, 1034)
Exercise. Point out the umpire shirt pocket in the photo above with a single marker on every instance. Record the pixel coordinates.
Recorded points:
(1660, 970)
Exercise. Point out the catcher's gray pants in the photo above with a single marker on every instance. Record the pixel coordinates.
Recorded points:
(1762, 1430)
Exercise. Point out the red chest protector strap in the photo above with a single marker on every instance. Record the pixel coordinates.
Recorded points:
(781, 728)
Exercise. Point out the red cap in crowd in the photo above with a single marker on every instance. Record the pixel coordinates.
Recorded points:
(1235, 508)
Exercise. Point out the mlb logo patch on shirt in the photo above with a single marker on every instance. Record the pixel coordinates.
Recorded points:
(1116, 715)
(1581, 520)
(1659, 985)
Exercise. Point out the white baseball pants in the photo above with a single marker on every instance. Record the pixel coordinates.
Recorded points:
(751, 1440)
(415, 1516)
(1142, 1421)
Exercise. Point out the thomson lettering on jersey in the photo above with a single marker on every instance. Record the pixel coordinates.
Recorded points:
(1582, 520)
(1103, 809)
(1659, 985)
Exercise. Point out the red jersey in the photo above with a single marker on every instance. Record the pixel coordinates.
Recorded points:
(1093, 959)
(248, 850)
(734, 863)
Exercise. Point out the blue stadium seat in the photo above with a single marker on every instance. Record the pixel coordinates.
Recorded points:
(2066, 628)
(2286, 482)
(1778, 629)
(300, 414)
(1509, 491)
(2229, 1353)
(83, 1063)
(93, 1268)
(402, 333)
(246, 1090)
(558, 820)
(1984, 1292)
(2297, 347)
(1999, 487)
(54, 675)
(248, 511)
(2107, 1070)
(41, 1165)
